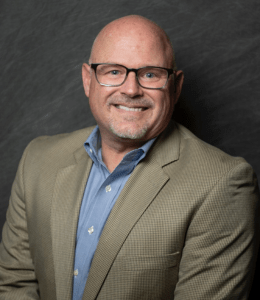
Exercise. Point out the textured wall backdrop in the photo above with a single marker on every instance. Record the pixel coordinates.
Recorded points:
(44, 43)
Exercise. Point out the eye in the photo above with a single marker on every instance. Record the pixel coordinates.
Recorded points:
(149, 75)
(114, 72)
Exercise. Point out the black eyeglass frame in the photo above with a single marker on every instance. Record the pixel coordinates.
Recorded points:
(170, 72)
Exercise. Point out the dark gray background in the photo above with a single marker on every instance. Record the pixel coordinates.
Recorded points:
(44, 43)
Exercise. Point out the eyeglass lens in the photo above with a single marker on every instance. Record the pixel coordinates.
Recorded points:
(115, 75)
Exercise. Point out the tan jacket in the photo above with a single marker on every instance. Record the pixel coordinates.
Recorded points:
(182, 228)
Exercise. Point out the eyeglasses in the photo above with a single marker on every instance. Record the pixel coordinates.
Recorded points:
(147, 77)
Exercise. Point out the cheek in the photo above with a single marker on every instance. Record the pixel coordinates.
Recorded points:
(94, 104)
(164, 107)
(95, 95)
(98, 98)
(163, 114)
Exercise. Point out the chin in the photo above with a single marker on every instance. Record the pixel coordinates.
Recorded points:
(129, 133)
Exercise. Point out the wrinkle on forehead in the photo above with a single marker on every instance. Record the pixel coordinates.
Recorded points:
(131, 29)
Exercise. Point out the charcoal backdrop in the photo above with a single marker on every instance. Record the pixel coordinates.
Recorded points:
(44, 43)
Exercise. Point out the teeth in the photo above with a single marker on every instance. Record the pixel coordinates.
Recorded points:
(129, 108)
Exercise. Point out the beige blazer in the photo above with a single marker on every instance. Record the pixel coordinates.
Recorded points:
(182, 228)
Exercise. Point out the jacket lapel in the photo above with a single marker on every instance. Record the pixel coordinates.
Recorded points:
(68, 193)
(140, 190)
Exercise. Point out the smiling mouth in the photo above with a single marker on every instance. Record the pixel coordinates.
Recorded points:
(130, 108)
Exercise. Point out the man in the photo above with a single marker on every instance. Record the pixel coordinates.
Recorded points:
(144, 210)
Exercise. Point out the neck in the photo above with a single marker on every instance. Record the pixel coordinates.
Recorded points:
(113, 150)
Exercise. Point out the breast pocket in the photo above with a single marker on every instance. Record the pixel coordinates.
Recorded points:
(143, 277)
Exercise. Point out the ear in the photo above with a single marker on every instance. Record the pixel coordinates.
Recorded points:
(86, 78)
(179, 77)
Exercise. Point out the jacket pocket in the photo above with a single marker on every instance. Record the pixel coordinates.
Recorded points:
(161, 262)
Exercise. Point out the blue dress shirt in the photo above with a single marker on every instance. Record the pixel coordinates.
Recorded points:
(101, 193)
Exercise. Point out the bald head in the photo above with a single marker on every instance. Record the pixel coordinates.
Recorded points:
(136, 29)
(129, 113)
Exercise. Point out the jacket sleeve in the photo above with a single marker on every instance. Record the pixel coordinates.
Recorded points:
(219, 255)
(17, 276)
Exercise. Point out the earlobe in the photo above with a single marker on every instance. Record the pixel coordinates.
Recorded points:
(86, 78)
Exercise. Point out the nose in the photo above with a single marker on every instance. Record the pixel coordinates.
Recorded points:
(131, 86)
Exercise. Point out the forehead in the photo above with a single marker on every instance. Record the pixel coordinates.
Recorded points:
(132, 46)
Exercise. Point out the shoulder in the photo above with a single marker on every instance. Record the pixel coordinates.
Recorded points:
(204, 164)
(64, 141)
(57, 149)
(71, 140)
(202, 152)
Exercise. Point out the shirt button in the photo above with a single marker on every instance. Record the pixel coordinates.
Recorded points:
(108, 188)
(76, 272)
(90, 150)
(91, 230)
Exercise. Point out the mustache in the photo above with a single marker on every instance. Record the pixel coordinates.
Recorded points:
(121, 100)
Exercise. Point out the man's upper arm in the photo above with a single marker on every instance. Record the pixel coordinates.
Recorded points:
(221, 244)
(17, 276)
